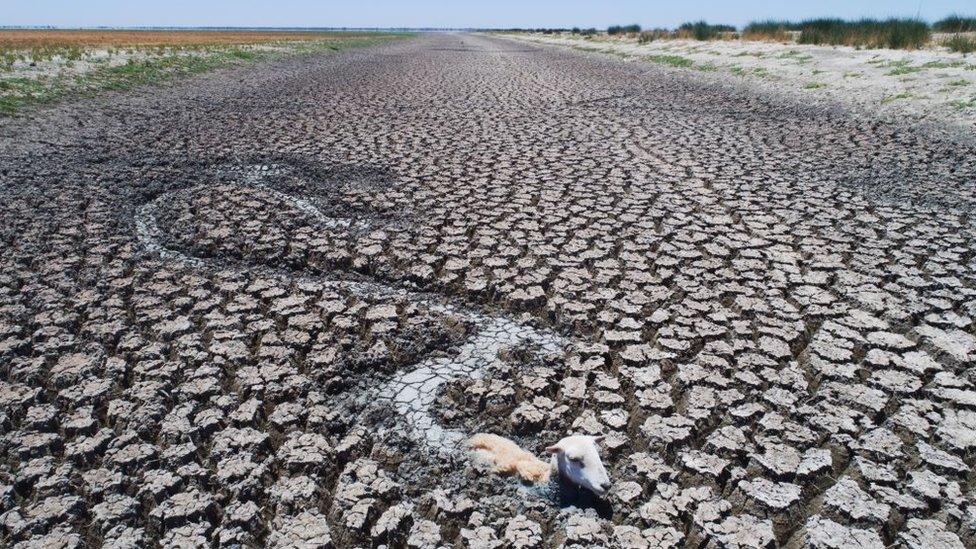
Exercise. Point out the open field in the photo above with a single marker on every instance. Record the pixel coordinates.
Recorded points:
(930, 85)
(21, 39)
(44, 66)
(266, 305)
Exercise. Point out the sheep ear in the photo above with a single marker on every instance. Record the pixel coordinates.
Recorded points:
(554, 449)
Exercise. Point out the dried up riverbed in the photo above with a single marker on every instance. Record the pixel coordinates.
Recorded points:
(263, 306)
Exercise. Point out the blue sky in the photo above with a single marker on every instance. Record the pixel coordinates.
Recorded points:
(444, 13)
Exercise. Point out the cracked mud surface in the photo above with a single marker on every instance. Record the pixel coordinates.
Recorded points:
(212, 293)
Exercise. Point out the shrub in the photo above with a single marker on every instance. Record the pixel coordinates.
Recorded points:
(961, 44)
(651, 35)
(955, 23)
(701, 30)
(871, 33)
(623, 29)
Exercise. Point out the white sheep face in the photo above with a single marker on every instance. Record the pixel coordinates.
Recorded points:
(577, 458)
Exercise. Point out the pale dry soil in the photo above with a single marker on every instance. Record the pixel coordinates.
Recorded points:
(932, 85)
(263, 306)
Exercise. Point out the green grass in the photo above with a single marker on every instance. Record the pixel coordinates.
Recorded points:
(963, 104)
(761, 72)
(671, 60)
(156, 70)
(957, 83)
(796, 55)
(944, 64)
(17, 92)
(814, 85)
(890, 98)
(904, 69)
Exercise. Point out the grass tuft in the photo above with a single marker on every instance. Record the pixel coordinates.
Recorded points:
(672, 60)
(904, 69)
(889, 98)
(963, 104)
(961, 44)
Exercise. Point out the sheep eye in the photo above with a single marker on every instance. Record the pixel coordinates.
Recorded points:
(577, 460)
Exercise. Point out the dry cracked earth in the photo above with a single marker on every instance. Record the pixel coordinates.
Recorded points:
(262, 307)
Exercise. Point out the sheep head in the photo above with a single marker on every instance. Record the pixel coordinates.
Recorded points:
(577, 458)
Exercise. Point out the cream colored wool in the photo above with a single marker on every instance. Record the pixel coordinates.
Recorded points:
(507, 458)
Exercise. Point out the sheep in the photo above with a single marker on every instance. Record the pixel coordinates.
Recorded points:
(575, 458)
(506, 458)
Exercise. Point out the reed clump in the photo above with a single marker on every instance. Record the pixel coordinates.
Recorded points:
(702, 30)
(863, 33)
(955, 23)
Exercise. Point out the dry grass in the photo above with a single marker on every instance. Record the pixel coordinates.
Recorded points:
(42, 38)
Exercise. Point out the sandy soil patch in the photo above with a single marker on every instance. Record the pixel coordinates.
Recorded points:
(932, 85)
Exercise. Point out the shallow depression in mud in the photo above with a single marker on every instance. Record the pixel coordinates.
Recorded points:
(411, 391)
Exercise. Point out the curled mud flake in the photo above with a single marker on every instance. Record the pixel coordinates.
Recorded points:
(849, 499)
(307, 529)
(928, 534)
(957, 428)
(424, 534)
(742, 531)
(523, 533)
(823, 533)
(775, 495)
